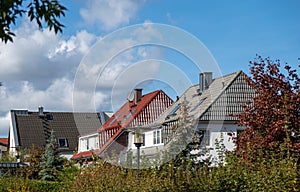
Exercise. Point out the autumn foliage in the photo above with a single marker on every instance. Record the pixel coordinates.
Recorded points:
(272, 119)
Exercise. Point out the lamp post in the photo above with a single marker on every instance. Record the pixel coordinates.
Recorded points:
(138, 141)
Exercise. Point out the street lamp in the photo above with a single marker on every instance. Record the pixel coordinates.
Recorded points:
(138, 141)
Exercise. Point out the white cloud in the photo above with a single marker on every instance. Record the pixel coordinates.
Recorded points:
(38, 69)
(4, 122)
(41, 56)
(58, 96)
(110, 14)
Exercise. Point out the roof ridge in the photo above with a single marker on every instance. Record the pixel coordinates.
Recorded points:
(153, 93)
(236, 72)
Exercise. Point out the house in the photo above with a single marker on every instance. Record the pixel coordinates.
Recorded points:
(3, 146)
(111, 139)
(29, 128)
(209, 105)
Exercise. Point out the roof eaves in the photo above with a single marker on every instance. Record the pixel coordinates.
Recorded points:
(83, 155)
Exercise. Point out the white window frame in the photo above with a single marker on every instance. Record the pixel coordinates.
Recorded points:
(157, 137)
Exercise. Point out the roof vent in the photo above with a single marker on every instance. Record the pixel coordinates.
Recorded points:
(205, 79)
(49, 116)
(137, 95)
(41, 111)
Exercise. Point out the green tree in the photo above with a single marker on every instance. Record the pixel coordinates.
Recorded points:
(51, 163)
(44, 12)
(33, 157)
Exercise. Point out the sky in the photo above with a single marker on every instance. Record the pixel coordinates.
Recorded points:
(65, 72)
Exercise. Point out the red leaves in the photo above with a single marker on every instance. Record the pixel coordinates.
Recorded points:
(272, 116)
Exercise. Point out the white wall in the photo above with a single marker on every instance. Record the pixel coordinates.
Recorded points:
(148, 142)
(13, 135)
(218, 130)
(88, 142)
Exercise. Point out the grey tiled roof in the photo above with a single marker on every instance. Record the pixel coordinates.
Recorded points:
(224, 96)
(35, 129)
(230, 101)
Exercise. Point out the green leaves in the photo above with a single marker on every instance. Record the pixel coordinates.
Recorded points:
(9, 11)
(44, 12)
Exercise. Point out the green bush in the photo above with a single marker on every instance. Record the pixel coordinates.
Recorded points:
(46, 186)
(236, 174)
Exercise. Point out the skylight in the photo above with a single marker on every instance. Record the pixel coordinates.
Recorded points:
(173, 112)
(115, 118)
(199, 103)
(129, 115)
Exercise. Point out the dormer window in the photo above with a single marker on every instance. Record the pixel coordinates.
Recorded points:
(62, 142)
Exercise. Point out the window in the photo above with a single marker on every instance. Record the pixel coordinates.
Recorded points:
(173, 112)
(87, 144)
(49, 116)
(62, 142)
(129, 115)
(204, 136)
(84, 144)
(115, 118)
(157, 137)
(198, 104)
(143, 140)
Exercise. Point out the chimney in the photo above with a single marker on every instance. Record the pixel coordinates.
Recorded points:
(205, 80)
(41, 111)
(137, 95)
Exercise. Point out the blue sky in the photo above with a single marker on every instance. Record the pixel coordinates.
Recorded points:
(234, 31)
(39, 68)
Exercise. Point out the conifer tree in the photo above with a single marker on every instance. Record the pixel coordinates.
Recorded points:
(51, 162)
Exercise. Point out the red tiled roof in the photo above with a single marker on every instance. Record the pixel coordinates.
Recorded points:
(4, 141)
(83, 154)
(128, 112)
(122, 118)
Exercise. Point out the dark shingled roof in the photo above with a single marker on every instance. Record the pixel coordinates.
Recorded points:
(35, 129)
